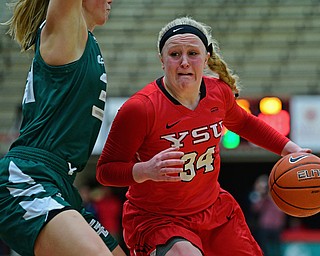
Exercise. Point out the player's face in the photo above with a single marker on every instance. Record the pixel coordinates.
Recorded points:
(184, 58)
(97, 11)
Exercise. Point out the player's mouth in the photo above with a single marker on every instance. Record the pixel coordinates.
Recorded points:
(185, 74)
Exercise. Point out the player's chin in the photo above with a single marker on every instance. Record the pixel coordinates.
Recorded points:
(103, 19)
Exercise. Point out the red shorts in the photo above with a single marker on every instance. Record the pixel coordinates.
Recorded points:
(219, 230)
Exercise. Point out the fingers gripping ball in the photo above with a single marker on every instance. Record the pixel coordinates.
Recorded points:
(294, 184)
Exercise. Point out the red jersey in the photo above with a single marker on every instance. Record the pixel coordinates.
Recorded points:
(152, 120)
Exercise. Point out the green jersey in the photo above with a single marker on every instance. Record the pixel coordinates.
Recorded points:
(63, 105)
(62, 115)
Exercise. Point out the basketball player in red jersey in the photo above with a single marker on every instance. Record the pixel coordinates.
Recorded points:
(164, 145)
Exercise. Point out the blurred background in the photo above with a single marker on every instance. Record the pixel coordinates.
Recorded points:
(273, 45)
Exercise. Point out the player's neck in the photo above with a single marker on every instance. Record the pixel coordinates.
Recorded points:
(188, 99)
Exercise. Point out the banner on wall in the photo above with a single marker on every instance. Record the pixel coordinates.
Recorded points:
(305, 121)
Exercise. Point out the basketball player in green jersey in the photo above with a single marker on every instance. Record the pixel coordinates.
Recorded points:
(41, 212)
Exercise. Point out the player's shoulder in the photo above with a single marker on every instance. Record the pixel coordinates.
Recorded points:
(143, 96)
(214, 84)
(147, 92)
(211, 80)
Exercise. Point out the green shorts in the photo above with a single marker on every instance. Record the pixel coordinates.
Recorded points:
(34, 184)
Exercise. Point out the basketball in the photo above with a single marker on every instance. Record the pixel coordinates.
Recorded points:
(294, 184)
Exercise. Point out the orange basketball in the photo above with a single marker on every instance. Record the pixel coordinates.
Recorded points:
(294, 184)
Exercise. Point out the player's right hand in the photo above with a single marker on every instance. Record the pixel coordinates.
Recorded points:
(164, 166)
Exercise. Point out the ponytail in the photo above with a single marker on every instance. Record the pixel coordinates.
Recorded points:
(26, 20)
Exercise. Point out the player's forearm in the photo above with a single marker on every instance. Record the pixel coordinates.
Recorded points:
(115, 174)
(263, 135)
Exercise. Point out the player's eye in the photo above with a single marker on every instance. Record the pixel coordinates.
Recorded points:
(174, 54)
(193, 53)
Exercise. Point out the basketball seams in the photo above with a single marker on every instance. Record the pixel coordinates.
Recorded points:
(293, 167)
(295, 206)
(289, 188)
(273, 173)
(294, 181)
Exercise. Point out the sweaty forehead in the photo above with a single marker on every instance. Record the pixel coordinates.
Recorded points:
(184, 40)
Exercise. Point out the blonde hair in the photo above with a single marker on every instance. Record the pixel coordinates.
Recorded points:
(26, 20)
(215, 63)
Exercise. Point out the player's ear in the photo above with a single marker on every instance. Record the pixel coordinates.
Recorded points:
(161, 59)
(206, 60)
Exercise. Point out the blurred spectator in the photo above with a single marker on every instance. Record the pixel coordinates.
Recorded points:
(86, 194)
(108, 209)
(106, 205)
(269, 219)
